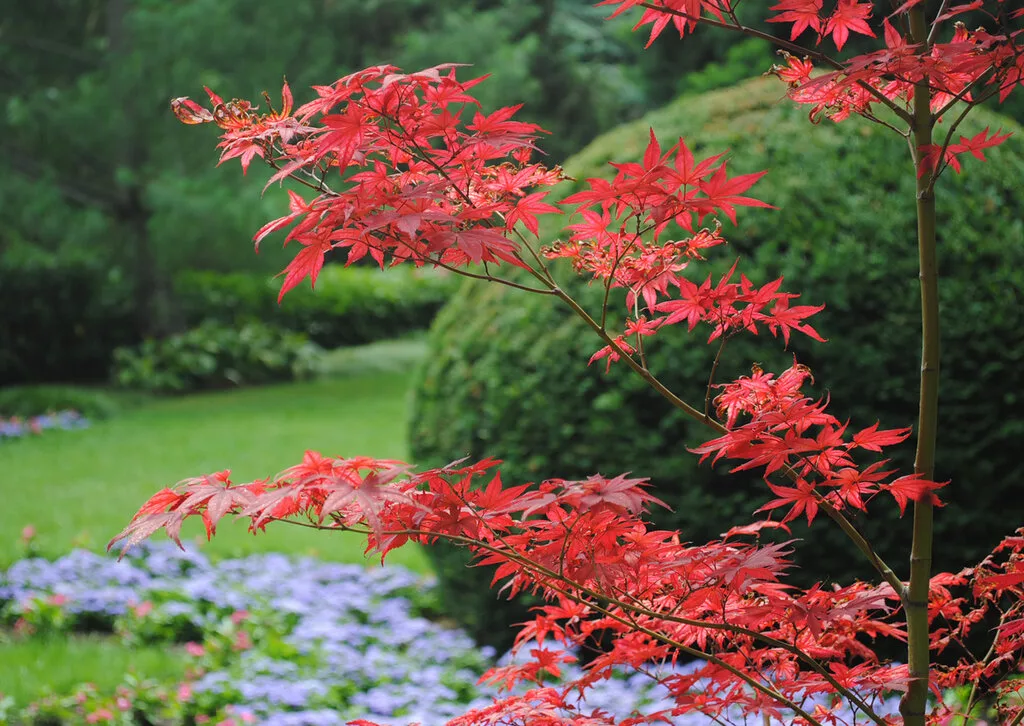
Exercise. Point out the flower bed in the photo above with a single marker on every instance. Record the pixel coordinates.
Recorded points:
(271, 640)
(16, 426)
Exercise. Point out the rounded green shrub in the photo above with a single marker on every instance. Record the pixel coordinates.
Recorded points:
(506, 373)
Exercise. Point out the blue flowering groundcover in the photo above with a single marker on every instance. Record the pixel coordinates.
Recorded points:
(14, 428)
(274, 640)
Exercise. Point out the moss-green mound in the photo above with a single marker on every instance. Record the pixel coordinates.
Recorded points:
(506, 374)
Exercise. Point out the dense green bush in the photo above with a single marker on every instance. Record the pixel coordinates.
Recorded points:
(349, 306)
(61, 319)
(506, 374)
(92, 403)
(216, 356)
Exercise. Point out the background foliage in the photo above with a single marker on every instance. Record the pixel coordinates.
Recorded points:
(350, 305)
(103, 187)
(94, 167)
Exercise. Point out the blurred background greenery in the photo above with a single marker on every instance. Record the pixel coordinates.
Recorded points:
(106, 200)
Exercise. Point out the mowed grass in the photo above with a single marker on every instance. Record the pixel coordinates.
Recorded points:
(58, 665)
(80, 488)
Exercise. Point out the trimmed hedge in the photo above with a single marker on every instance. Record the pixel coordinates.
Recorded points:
(60, 320)
(215, 356)
(349, 306)
(506, 372)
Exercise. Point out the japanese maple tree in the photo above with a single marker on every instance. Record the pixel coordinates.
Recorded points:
(407, 169)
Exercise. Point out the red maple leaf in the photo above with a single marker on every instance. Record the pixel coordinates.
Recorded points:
(527, 209)
(141, 528)
(215, 496)
(366, 498)
(724, 194)
(802, 497)
(307, 263)
(849, 16)
(618, 494)
(784, 318)
(913, 487)
(1006, 579)
(873, 440)
(803, 14)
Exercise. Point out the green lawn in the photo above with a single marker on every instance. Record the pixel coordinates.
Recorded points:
(79, 488)
(59, 664)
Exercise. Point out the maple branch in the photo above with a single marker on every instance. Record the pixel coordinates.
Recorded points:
(816, 666)
(787, 45)
(863, 545)
(838, 517)
(639, 369)
(490, 278)
(754, 683)
(851, 531)
(597, 597)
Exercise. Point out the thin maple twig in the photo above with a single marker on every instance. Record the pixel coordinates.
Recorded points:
(941, 162)
(322, 188)
(787, 45)
(905, 133)
(1018, 719)
(611, 278)
(711, 377)
(533, 253)
(436, 261)
(490, 278)
(975, 684)
(962, 94)
(936, 24)
(640, 352)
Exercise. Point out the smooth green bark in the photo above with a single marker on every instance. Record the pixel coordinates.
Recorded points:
(915, 596)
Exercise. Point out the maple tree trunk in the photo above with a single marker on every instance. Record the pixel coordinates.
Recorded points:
(915, 597)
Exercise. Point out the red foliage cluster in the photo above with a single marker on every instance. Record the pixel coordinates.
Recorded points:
(398, 170)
